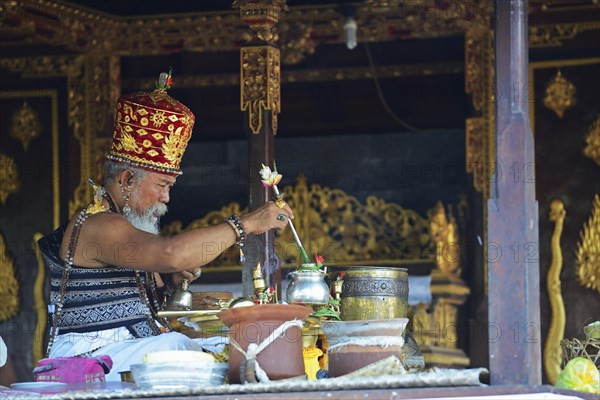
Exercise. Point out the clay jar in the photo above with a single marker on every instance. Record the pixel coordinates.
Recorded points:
(360, 343)
(282, 358)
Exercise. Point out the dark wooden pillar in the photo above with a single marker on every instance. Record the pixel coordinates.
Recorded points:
(260, 102)
(513, 279)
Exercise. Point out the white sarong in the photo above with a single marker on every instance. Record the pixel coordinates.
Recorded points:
(124, 349)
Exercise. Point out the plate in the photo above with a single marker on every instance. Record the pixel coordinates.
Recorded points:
(40, 386)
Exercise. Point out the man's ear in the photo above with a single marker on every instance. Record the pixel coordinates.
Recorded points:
(125, 178)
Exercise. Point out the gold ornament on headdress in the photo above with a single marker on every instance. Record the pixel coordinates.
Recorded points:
(560, 94)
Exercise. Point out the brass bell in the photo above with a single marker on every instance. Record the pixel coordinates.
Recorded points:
(182, 299)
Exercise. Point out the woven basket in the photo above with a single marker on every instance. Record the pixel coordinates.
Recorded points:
(589, 348)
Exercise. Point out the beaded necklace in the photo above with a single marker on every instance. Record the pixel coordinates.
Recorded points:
(91, 209)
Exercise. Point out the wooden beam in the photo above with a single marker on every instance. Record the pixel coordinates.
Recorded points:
(513, 239)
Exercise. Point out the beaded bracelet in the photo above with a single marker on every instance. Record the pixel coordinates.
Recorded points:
(238, 227)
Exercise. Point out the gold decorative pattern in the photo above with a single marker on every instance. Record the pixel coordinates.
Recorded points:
(479, 82)
(39, 302)
(310, 75)
(588, 250)
(552, 349)
(25, 125)
(261, 17)
(434, 326)
(52, 95)
(9, 177)
(85, 30)
(560, 94)
(296, 41)
(338, 226)
(85, 117)
(475, 154)
(556, 34)
(9, 290)
(260, 75)
(592, 142)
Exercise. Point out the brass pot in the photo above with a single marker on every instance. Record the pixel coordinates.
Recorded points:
(372, 292)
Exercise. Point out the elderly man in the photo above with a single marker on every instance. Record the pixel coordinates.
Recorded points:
(106, 263)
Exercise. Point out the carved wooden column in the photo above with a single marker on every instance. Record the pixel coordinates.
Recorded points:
(260, 102)
(513, 278)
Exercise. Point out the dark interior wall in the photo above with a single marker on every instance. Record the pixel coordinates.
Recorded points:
(31, 208)
(564, 173)
(412, 169)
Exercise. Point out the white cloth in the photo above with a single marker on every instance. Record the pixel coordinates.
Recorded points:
(3, 352)
(124, 349)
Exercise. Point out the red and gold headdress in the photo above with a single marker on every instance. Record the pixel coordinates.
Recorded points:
(152, 129)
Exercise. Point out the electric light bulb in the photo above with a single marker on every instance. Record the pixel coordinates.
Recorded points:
(350, 28)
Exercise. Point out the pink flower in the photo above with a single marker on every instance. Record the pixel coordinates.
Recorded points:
(319, 260)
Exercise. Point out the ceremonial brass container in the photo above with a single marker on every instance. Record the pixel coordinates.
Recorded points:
(372, 292)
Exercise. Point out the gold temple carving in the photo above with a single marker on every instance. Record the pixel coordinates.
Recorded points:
(9, 177)
(552, 349)
(332, 223)
(592, 142)
(560, 94)
(9, 290)
(25, 125)
(588, 250)
(260, 87)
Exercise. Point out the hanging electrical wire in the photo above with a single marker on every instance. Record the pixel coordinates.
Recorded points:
(382, 99)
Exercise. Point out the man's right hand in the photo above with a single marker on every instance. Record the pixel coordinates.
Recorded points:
(266, 217)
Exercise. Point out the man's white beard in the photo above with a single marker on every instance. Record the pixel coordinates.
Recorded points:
(148, 221)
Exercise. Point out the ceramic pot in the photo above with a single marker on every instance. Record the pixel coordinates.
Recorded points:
(307, 287)
(282, 358)
(356, 344)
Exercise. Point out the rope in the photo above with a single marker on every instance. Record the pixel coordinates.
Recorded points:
(381, 341)
(254, 349)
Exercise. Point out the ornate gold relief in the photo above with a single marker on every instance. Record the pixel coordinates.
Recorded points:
(560, 94)
(552, 349)
(592, 142)
(9, 290)
(84, 30)
(296, 42)
(338, 226)
(261, 17)
(332, 223)
(260, 75)
(89, 104)
(588, 250)
(475, 153)
(39, 302)
(479, 83)
(311, 75)
(9, 177)
(443, 230)
(556, 34)
(25, 125)
(474, 65)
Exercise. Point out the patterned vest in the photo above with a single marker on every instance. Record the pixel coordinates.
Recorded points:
(95, 298)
